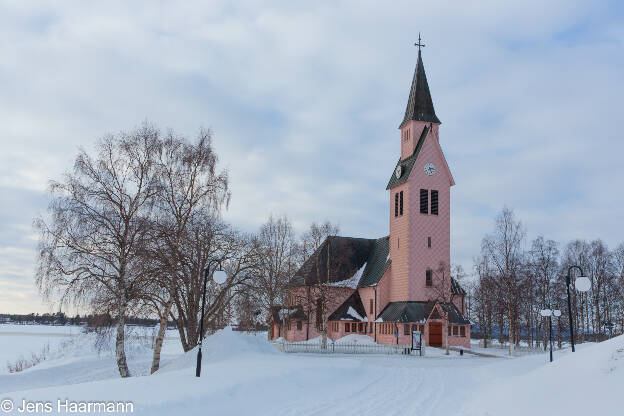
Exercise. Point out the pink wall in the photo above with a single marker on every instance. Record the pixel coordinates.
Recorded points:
(299, 296)
(399, 245)
(422, 226)
(383, 289)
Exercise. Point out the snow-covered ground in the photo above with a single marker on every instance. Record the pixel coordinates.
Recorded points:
(24, 340)
(243, 374)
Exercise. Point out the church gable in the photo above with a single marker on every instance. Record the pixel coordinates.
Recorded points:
(403, 168)
(432, 149)
(431, 152)
(351, 310)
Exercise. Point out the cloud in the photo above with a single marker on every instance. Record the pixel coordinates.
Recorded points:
(305, 100)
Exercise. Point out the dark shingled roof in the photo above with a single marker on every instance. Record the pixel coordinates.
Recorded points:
(341, 314)
(420, 104)
(456, 289)
(411, 311)
(347, 256)
(408, 163)
(378, 263)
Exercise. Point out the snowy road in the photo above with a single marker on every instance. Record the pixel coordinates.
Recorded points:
(244, 375)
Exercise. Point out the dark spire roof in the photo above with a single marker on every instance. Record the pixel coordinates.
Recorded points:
(419, 104)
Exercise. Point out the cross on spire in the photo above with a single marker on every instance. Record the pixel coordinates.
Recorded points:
(420, 45)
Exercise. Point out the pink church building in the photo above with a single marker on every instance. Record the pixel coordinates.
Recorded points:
(386, 288)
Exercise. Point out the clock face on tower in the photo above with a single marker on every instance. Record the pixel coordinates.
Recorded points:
(398, 171)
(430, 169)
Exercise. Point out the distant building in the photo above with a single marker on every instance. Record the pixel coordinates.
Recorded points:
(389, 287)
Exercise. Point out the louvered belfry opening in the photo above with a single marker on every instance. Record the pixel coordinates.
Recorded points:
(396, 204)
(434, 202)
(424, 201)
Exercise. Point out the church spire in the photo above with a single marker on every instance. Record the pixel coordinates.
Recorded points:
(419, 104)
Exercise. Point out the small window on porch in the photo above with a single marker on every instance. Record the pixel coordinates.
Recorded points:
(462, 331)
(406, 329)
(347, 327)
(449, 330)
(354, 327)
(455, 330)
(299, 325)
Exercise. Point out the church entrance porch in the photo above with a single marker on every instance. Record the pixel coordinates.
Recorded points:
(398, 320)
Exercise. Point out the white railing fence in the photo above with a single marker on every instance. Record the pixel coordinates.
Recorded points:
(346, 348)
(520, 349)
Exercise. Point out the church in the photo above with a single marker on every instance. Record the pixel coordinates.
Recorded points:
(389, 287)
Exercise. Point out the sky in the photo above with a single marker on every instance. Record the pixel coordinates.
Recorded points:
(305, 99)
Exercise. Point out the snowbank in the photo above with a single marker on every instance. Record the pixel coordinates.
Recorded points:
(223, 345)
(348, 339)
(589, 381)
(355, 339)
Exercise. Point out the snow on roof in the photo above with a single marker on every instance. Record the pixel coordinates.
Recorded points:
(353, 281)
(356, 315)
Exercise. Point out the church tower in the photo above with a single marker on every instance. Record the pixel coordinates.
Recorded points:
(419, 201)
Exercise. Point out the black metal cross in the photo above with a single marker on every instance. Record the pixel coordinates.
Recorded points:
(420, 45)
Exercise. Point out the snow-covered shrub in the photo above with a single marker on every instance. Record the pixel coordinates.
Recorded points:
(22, 363)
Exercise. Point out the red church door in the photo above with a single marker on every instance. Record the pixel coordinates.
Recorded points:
(435, 334)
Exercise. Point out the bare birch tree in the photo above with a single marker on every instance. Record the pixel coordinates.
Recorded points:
(277, 263)
(503, 249)
(95, 236)
(543, 270)
(207, 243)
(192, 190)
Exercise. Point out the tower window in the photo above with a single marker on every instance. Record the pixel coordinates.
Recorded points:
(429, 242)
(429, 277)
(434, 202)
(396, 204)
(424, 201)
(401, 203)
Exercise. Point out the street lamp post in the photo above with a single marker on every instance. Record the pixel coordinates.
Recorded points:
(218, 276)
(582, 285)
(549, 313)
